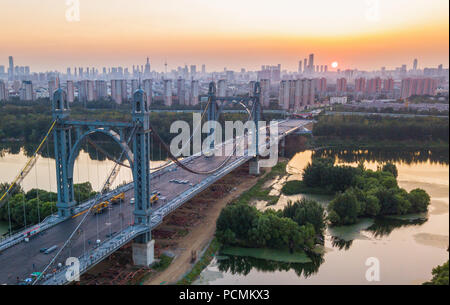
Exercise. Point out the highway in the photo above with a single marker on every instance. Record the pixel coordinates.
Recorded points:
(19, 261)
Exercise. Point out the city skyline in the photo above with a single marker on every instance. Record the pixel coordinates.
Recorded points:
(233, 35)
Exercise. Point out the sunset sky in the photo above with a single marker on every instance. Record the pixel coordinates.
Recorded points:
(219, 33)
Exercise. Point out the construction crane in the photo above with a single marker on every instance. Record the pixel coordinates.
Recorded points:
(27, 168)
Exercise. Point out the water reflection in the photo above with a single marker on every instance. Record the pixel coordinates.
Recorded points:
(341, 243)
(383, 226)
(407, 156)
(243, 265)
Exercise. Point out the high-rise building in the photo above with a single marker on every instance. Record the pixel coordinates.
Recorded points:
(193, 70)
(418, 86)
(168, 92)
(119, 92)
(320, 85)
(300, 66)
(101, 90)
(3, 91)
(194, 92)
(388, 85)
(181, 91)
(2, 69)
(53, 84)
(305, 67)
(415, 64)
(70, 92)
(360, 85)
(26, 92)
(265, 92)
(373, 85)
(311, 63)
(11, 68)
(147, 70)
(341, 85)
(148, 89)
(283, 96)
(134, 86)
(86, 91)
(203, 69)
(222, 88)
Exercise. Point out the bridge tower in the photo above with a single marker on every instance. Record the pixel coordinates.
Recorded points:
(254, 168)
(143, 246)
(212, 110)
(63, 147)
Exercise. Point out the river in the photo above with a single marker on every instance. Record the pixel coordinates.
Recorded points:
(43, 174)
(406, 249)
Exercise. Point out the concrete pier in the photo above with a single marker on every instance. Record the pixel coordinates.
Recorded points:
(144, 253)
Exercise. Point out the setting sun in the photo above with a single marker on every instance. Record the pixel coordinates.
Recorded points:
(334, 64)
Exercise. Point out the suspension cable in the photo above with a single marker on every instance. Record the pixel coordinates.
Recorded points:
(28, 166)
(99, 195)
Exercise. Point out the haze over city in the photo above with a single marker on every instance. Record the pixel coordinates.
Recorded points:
(234, 34)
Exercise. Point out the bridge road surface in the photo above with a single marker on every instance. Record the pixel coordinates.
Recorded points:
(21, 260)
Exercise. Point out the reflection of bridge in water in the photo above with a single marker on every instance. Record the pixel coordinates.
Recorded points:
(93, 238)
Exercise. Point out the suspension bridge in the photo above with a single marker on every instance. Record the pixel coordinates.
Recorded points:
(73, 232)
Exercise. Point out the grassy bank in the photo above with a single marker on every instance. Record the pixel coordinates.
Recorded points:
(204, 261)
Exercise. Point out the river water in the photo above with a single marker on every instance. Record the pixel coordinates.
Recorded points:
(407, 249)
(43, 174)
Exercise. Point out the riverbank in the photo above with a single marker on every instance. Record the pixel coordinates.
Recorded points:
(200, 236)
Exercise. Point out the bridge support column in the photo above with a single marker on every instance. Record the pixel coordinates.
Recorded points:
(254, 168)
(63, 146)
(143, 253)
(283, 147)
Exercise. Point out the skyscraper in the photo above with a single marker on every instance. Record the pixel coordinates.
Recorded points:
(148, 89)
(11, 69)
(222, 88)
(265, 92)
(300, 66)
(70, 91)
(101, 90)
(311, 63)
(147, 70)
(181, 93)
(341, 85)
(415, 64)
(26, 92)
(167, 92)
(3, 91)
(194, 92)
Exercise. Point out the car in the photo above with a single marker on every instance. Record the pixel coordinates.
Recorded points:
(132, 200)
(42, 250)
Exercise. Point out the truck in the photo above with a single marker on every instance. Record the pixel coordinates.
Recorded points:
(100, 207)
(51, 249)
(118, 198)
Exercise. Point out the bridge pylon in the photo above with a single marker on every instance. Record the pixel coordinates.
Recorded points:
(143, 246)
(63, 146)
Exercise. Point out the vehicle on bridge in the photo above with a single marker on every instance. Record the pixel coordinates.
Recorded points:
(30, 233)
(118, 198)
(100, 207)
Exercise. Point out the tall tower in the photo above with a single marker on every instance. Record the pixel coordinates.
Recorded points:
(311, 63)
(415, 64)
(147, 68)
(11, 69)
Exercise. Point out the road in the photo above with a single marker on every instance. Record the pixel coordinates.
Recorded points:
(19, 261)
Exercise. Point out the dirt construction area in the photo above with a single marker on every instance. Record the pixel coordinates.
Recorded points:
(183, 235)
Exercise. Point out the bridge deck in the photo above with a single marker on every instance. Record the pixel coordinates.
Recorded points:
(19, 261)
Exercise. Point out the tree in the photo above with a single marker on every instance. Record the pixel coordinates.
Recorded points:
(346, 206)
(419, 200)
(390, 167)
